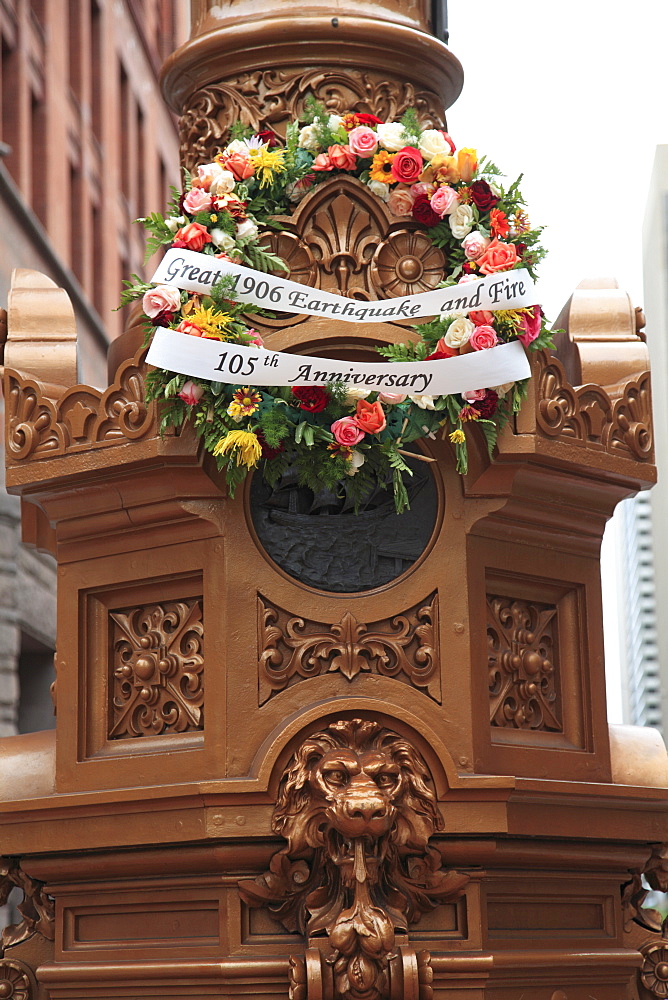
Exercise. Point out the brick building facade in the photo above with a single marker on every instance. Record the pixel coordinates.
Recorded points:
(87, 145)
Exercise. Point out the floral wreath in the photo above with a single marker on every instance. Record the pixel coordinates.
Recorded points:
(340, 439)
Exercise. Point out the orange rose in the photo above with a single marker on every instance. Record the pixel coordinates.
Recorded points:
(370, 416)
(497, 257)
(240, 165)
(342, 157)
(185, 326)
(467, 161)
(191, 237)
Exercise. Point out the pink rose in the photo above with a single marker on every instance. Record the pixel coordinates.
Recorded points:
(401, 200)
(255, 338)
(207, 173)
(162, 298)
(363, 141)
(342, 157)
(391, 398)
(531, 325)
(323, 162)
(347, 431)
(197, 200)
(444, 200)
(483, 337)
(466, 278)
(191, 393)
(422, 188)
(407, 165)
(473, 394)
(474, 244)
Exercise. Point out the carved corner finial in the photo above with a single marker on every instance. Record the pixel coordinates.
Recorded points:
(602, 343)
(41, 331)
(357, 808)
(36, 908)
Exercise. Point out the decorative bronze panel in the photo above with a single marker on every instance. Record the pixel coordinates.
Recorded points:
(523, 664)
(271, 98)
(404, 646)
(157, 683)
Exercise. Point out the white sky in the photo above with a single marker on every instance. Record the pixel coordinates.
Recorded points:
(574, 94)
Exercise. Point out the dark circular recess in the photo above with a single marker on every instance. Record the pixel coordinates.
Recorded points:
(319, 540)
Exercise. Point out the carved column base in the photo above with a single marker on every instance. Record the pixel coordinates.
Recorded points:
(404, 975)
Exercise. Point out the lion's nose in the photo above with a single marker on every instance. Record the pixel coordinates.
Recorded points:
(366, 810)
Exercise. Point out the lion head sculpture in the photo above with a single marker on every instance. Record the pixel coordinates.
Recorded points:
(356, 806)
(356, 779)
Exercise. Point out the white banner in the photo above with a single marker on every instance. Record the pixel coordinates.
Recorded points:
(197, 272)
(219, 362)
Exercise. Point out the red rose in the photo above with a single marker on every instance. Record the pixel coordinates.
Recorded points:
(266, 135)
(312, 398)
(487, 407)
(424, 213)
(482, 196)
(366, 119)
(407, 165)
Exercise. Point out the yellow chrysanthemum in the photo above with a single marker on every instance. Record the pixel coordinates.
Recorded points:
(458, 436)
(212, 324)
(267, 163)
(244, 444)
(513, 316)
(381, 167)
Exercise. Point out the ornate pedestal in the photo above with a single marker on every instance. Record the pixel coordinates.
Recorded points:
(375, 767)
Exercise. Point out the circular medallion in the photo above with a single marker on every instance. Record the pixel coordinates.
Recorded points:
(319, 540)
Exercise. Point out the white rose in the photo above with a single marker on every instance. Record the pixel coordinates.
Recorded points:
(379, 189)
(356, 462)
(353, 394)
(247, 228)
(175, 222)
(222, 240)
(334, 121)
(502, 389)
(236, 146)
(391, 136)
(423, 401)
(461, 221)
(308, 138)
(222, 183)
(433, 144)
(495, 189)
(458, 333)
(207, 172)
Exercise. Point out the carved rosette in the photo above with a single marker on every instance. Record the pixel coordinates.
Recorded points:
(271, 98)
(15, 980)
(654, 971)
(157, 669)
(406, 263)
(357, 808)
(404, 646)
(522, 664)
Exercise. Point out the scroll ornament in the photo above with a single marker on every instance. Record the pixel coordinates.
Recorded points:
(338, 434)
(357, 808)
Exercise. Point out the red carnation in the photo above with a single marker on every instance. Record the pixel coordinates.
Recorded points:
(312, 398)
(424, 213)
(482, 196)
(162, 319)
(487, 407)
(267, 451)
